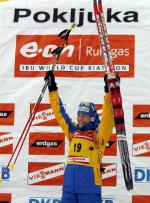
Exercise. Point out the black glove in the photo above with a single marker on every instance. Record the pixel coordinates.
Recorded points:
(106, 89)
(52, 85)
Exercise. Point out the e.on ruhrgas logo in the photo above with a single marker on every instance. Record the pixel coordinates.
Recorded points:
(111, 147)
(141, 145)
(6, 143)
(141, 115)
(109, 174)
(46, 143)
(5, 197)
(7, 113)
(42, 173)
(82, 57)
(44, 116)
(140, 199)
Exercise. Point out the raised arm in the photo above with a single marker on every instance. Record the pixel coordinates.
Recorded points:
(106, 125)
(58, 109)
(107, 122)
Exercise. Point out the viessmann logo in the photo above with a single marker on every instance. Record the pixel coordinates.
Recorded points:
(141, 145)
(7, 114)
(6, 143)
(46, 143)
(141, 115)
(81, 58)
(45, 173)
(140, 198)
(99, 110)
(5, 197)
(109, 174)
(44, 116)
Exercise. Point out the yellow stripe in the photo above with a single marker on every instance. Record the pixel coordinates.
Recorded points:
(54, 101)
(3, 0)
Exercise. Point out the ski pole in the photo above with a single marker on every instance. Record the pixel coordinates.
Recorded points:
(56, 52)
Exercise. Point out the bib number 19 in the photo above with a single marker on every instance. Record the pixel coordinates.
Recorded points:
(77, 147)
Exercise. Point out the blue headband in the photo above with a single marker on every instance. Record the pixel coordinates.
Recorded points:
(88, 109)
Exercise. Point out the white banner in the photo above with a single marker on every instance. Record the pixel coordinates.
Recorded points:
(28, 33)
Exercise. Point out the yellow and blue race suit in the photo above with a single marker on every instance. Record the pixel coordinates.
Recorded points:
(86, 147)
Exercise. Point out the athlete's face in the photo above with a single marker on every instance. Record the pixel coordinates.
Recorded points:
(83, 119)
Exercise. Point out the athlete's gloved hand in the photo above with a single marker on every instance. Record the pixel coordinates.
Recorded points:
(106, 89)
(52, 85)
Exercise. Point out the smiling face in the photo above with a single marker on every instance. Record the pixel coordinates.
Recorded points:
(83, 119)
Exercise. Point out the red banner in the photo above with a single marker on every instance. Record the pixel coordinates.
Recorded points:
(81, 58)
(141, 115)
(45, 173)
(7, 114)
(46, 143)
